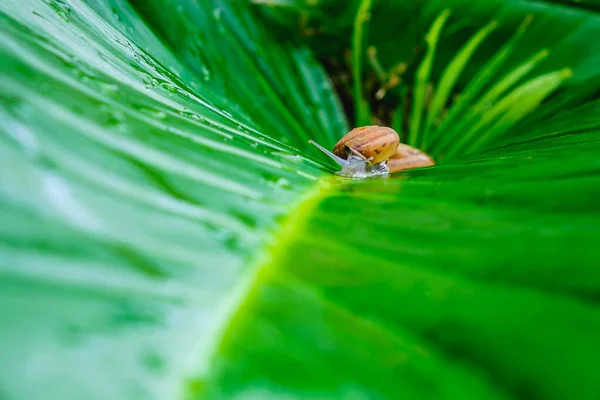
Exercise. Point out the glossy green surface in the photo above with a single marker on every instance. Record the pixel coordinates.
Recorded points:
(167, 232)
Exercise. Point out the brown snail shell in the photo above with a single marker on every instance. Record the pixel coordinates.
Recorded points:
(371, 151)
(379, 142)
(407, 157)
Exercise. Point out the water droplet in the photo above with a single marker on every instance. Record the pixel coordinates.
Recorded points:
(109, 88)
(168, 87)
(283, 183)
(114, 117)
(205, 73)
(183, 93)
(61, 8)
(149, 80)
(188, 114)
(217, 12)
(116, 121)
(116, 14)
(153, 112)
(293, 158)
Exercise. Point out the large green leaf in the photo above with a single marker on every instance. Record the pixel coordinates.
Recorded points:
(168, 233)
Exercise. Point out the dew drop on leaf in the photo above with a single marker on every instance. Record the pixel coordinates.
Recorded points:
(205, 73)
(153, 112)
(283, 183)
(168, 87)
(116, 14)
(61, 8)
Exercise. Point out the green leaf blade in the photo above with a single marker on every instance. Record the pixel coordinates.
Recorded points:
(422, 77)
(510, 109)
(358, 54)
(450, 76)
(442, 138)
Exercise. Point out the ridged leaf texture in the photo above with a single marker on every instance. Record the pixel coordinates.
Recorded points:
(167, 232)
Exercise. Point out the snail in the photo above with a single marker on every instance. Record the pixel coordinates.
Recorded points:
(372, 151)
(363, 151)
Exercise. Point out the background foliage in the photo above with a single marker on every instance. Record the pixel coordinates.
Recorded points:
(168, 233)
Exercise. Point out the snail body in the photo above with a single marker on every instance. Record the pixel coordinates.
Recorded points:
(370, 151)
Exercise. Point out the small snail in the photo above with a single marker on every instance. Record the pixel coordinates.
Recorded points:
(363, 151)
(374, 150)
